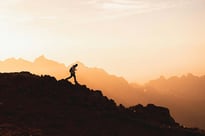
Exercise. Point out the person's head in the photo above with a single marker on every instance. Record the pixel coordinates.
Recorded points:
(75, 65)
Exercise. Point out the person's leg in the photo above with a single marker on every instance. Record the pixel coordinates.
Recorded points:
(69, 77)
(76, 82)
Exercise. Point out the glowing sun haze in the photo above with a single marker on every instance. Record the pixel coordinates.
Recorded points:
(136, 39)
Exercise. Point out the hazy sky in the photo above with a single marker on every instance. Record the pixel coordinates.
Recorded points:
(136, 39)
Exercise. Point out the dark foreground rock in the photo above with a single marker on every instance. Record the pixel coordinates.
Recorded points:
(33, 105)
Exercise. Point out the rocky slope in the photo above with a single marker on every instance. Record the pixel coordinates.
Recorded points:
(42, 106)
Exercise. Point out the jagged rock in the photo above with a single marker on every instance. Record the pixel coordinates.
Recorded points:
(155, 114)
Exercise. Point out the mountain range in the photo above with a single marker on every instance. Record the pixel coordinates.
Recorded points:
(32, 105)
(182, 95)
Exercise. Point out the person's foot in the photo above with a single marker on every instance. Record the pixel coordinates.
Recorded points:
(76, 83)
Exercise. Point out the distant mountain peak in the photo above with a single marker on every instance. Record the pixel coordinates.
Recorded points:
(10, 59)
(41, 58)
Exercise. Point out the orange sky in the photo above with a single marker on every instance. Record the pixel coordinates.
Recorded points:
(136, 39)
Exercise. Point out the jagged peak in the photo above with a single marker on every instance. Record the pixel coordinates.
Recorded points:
(41, 58)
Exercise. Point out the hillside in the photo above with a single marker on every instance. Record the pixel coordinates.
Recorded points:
(180, 94)
(44, 106)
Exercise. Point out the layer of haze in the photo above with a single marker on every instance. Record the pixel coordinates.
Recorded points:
(136, 39)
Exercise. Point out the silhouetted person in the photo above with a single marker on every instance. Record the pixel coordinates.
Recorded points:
(72, 73)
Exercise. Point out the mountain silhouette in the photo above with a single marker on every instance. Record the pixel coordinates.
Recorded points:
(40, 65)
(181, 94)
(114, 87)
(44, 106)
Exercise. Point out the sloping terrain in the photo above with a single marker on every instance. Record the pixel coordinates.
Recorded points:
(42, 106)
